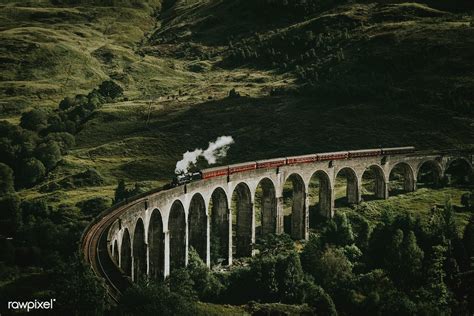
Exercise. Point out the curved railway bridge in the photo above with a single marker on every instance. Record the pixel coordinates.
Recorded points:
(223, 215)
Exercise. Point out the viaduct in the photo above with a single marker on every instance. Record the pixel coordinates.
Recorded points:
(223, 217)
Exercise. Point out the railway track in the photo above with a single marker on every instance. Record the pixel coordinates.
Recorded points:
(96, 254)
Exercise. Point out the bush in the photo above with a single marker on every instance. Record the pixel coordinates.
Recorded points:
(6, 179)
(77, 290)
(154, 299)
(65, 141)
(49, 154)
(319, 300)
(34, 120)
(206, 284)
(67, 103)
(37, 208)
(31, 171)
(109, 89)
(10, 215)
(94, 206)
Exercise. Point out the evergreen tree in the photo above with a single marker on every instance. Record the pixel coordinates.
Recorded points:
(120, 191)
(435, 292)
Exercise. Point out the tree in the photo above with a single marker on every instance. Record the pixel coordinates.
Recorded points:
(332, 270)
(49, 154)
(77, 290)
(6, 179)
(30, 172)
(468, 239)
(339, 231)
(65, 141)
(467, 200)
(154, 299)
(110, 89)
(435, 293)
(180, 282)
(34, 120)
(411, 258)
(10, 214)
(37, 208)
(289, 275)
(319, 300)
(120, 191)
(67, 103)
(206, 285)
(94, 206)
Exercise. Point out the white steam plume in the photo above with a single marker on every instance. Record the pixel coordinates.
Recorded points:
(217, 149)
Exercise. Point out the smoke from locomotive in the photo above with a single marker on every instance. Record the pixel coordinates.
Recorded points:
(215, 150)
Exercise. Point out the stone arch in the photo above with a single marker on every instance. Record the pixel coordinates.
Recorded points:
(429, 174)
(242, 217)
(458, 171)
(116, 252)
(373, 183)
(219, 227)
(401, 179)
(197, 225)
(126, 253)
(139, 251)
(156, 244)
(294, 195)
(265, 208)
(351, 194)
(177, 235)
(320, 193)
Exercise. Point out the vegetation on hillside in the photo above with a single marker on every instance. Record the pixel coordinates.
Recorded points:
(95, 93)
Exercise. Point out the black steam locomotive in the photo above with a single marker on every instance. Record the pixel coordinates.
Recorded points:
(186, 178)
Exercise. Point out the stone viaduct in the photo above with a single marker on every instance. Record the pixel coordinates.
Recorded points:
(218, 218)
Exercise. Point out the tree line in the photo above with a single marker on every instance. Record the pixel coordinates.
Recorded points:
(400, 265)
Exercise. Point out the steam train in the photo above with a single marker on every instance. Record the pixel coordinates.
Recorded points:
(278, 162)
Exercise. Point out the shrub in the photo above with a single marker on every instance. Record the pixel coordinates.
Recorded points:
(49, 154)
(77, 290)
(109, 89)
(94, 206)
(34, 120)
(154, 299)
(10, 214)
(6, 179)
(65, 141)
(206, 284)
(319, 300)
(31, 171)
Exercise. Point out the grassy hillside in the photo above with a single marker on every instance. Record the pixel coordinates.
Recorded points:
(310, 76)
(335, 77)
(49, 52)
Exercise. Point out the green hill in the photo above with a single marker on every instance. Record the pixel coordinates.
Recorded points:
(313, 76)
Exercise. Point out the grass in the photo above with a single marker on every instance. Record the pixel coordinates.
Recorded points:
(418, 203)
(176, 75)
